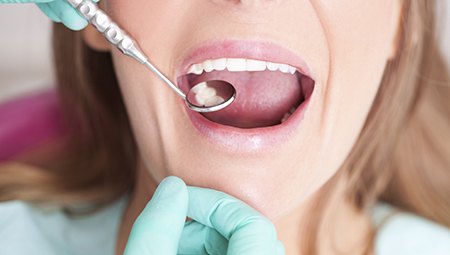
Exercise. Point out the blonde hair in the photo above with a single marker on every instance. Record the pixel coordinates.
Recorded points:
(402, 155)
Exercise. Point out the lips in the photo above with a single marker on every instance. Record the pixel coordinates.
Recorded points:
(273, 88)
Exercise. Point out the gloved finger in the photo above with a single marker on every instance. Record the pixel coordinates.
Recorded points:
(280, 248)
(48, 11)
(24, 1)
(61, 11)
(68, 15)
(192, 239)
(247, 230)
(158, 228)
(199, 239)
(215, 243)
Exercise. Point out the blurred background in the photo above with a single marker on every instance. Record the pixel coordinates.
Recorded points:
(25, 53)
(25, 48)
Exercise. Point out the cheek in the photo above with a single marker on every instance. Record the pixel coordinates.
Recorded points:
(360, 39)
(154, 24)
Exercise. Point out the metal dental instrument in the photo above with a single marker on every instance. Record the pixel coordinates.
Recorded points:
(206, 96)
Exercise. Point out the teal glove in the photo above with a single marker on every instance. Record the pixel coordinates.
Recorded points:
(58, 11)
(221, 224)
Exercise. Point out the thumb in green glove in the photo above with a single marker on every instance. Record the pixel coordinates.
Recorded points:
(157, 230)
(58, 11)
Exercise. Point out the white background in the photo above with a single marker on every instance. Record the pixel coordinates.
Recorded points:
(25, 50)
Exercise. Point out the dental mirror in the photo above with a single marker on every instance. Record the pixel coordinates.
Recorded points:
(208, 96)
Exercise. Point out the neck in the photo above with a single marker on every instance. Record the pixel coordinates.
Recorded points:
(326, 220)
(143, 191)
(338, 229)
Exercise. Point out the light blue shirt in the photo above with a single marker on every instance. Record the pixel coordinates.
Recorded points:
(28, 230)
(406, 233)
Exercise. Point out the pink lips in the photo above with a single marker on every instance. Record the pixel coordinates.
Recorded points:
(240, 140)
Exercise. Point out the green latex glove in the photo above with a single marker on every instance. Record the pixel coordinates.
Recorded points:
(58, 11)
(221, 224)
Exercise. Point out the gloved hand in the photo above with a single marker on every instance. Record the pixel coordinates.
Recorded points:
(58, 11)
(221, 224)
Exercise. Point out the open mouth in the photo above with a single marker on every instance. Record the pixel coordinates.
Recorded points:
(267, 93)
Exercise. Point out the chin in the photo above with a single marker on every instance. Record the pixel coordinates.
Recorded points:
(264, 189)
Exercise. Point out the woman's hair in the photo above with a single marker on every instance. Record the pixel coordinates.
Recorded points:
(402, 155)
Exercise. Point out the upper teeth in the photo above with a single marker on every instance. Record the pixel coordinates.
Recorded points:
(238, 65)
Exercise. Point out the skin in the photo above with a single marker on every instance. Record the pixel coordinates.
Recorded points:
(284, 182)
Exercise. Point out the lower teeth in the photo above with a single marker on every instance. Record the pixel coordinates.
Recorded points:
(288, 114)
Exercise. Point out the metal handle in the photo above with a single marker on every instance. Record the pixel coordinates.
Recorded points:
(110, 30)
(116, 36)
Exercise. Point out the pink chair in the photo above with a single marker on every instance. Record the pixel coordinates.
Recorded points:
(29, 122)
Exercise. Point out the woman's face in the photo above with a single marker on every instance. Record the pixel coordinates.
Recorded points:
(340, 47)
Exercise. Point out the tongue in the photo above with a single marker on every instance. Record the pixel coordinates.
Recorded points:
(262, 98)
